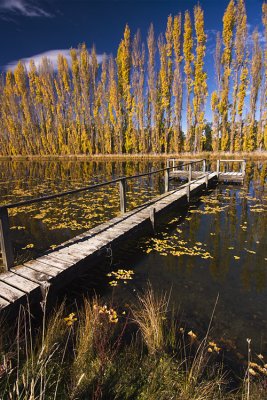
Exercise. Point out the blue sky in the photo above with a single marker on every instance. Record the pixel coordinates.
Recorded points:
(30, 28)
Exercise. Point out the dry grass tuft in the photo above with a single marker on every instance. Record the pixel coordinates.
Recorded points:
(151, 317)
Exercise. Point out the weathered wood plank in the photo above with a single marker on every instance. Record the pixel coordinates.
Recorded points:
(25, 285)
(43, 268)
(42, 265)
(4, 304)
(61, 255)
(32, 275)
(47, 259)
(66, 257)
(10, 293)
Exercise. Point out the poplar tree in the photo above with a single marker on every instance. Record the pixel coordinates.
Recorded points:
(38, 121)
(105, 131)
(228, 34)
(124, 70)
(138, 61)
(153, 139)
(46, 89)
(93, 68)
(264, 86)
(240, 72)
(3, 133)
(84, 88)
(256, 67)
(114, 107)
(165, 79)
(177, 84)
(188, 70)
(169, 81)
(10, 112)
(215, 96)
(200, 79)
(162, 93)
(62, 84)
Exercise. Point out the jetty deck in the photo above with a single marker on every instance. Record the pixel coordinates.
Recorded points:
(30, 281)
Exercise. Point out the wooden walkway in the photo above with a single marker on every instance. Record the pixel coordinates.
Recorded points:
(29, 282)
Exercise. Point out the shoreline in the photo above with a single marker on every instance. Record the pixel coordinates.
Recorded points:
(257, 155)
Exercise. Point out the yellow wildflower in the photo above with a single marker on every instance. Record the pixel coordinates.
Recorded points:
(210, 350)
(252, 372)
(70, 319)
(192, 335)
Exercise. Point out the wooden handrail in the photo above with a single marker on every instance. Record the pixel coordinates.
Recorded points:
(83, 189)
(243, 165)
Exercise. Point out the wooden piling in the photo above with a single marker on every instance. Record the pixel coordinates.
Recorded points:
(5, 241)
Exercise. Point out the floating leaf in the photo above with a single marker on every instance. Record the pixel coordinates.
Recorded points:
(250, 251)
(29, 246)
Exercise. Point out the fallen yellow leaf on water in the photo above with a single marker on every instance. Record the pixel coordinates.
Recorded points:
(250, 251)
(29, 246)
(236, 257)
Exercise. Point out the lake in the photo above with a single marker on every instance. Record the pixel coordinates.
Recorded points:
(216, 248)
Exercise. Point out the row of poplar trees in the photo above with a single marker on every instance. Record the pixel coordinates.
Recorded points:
(134, 103)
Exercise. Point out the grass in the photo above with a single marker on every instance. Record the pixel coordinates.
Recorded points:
(102, 353)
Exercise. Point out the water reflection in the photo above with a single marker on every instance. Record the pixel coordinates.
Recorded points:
(44, 225)
(229, 224)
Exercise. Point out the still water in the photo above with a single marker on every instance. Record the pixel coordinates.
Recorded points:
(217, 248)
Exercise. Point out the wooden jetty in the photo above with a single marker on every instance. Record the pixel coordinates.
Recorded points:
(29, 282)
(180, 169)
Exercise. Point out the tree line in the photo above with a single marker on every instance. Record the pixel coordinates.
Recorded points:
(134, 102)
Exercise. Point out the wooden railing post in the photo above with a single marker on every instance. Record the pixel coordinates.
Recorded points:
(204, 165)
(206, 179)
(243, 168)
(218, 167)
(122, 184)
(5, 241)
(189, 181)
(167, 180)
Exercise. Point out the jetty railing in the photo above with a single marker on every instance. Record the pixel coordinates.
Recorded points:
(223, 162)
(5, 237)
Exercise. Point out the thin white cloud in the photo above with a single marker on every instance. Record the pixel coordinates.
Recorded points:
(52, 55)
(23, 7)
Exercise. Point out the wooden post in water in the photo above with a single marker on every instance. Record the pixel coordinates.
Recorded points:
(122, 183)
(6, 246)
(152, 218)
(189, 181)
(167, 180)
